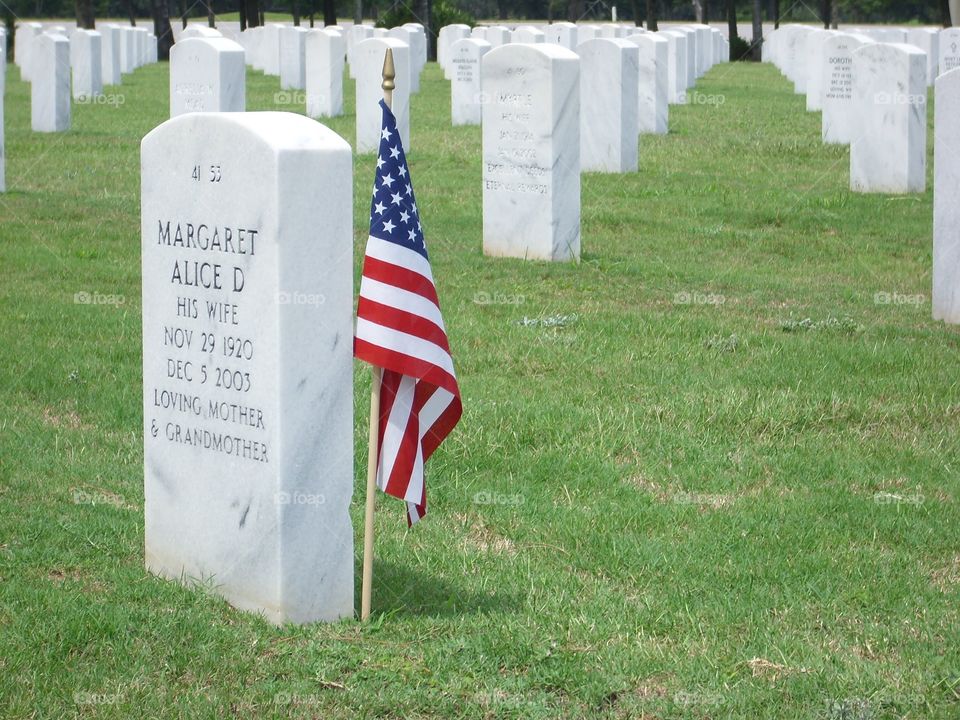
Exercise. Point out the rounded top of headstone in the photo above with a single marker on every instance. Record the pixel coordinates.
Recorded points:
(529, 54)
(276, 130)
(605, 44)
(477, 43)
(205, 45)
(200, 31)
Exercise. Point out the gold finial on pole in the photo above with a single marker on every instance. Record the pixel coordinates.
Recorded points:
(389, 75)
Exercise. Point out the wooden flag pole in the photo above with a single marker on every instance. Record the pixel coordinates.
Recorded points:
(389, 75)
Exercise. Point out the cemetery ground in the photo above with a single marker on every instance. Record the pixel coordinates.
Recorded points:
(709, 472)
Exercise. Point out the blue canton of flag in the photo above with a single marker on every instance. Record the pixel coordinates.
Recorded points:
(393, 212)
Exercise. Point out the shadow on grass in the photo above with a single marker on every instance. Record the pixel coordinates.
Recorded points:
(398, 590)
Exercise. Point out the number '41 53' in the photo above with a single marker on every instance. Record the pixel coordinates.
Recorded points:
(214, 174)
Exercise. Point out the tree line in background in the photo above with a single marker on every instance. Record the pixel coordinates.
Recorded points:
(434, 14)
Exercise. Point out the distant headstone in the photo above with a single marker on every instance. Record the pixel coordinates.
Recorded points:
(292, 74)
(949, 47)
(128, 49)
(85, 63)
(466, 99)
(531, 152)
(676, 66)
(23, 40)
(563, 34)
(324, 61)
(412, 79)
(889, 152)
(207, 75)
(357, 34)
(247, 362)
(110, 55)
(198, 31)
(50, 83)
(654, 82)
(497, 35)
(815, 59)
(927, 39)
(271, 49)
(3, 162)
(449, 34)
(608, 105)
(839, 122)
(418, 53)
(946, 198)
(369, 56)
(479, 32)
(586, 31)
(528, 34)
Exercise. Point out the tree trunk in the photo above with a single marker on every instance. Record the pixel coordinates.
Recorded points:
(945, 13)
(242, 6)
(776, 14)
(826, 7)
(732, 21)
(698, 11)
(652, 16)
(161, 28)
(132, 13)
(329, 12)
(706, 11)
(252, 12)
(211, 17)
(358, 12)
(85, 18)
(183, 13)
(574, 10)
(295, 7)
(757, 45)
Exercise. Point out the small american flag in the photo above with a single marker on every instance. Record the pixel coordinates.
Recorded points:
(399, 329)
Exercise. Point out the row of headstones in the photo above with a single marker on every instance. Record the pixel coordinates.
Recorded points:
(871, 87)
(54, 58)
(661, 65)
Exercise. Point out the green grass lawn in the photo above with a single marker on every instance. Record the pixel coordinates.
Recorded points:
(705, 473)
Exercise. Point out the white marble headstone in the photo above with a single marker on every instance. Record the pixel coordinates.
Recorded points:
(85, 63)
(528, 34)
(369, 57)
(888, 154)
(496, 35)
(3, 160)
(357, 34)
(466, 99)
(24, 37)
(50, 83)
(839, 121)
(324, 73)
(814, 60)
(531, 152)
(946, 198)
(292, 74)
(653, 85)
(194, 30)
(449, 34)
(412, 77)
(927, 39)
(949, 50)
(207, 75)
(247, 261)
(608, 105)
(110, 39)
(271, 49)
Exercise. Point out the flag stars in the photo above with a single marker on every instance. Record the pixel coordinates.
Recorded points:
(403, 171)
(404, 217)
(385, 134)
(408, 189)
(414, 208)
(379, 208)
(394, 153)
(413, 235)
(389, 226)
(388, 181)
(395, 199)
(380, 162)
